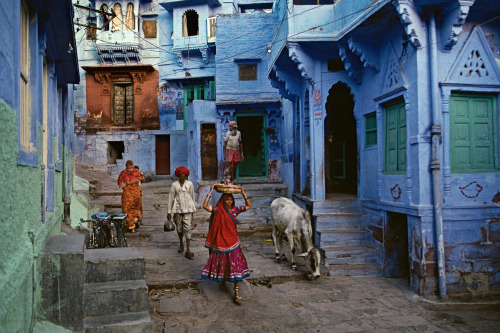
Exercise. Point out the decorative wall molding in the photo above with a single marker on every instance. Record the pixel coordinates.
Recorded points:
(118, 53)
(410, 20)
(368, 58)
(42, 46)
(279, 81)
(298, 56)
(102, 78)
(461, 11)
(351, 64)
(475, 64)
(204, 55)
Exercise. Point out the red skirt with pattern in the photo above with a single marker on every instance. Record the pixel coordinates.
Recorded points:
(230, 266)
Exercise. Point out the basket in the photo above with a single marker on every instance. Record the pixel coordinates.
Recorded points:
(229, 188)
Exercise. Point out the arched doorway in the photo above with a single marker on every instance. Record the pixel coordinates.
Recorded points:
(341, 153)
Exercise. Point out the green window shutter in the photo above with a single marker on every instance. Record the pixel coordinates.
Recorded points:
(211, 90)
(395, 138)
(370, 129)
(473, 133)
(401, 137)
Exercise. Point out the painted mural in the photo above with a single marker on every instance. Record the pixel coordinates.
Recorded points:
(171, 107)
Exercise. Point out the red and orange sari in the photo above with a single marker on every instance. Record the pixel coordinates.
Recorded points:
(226, 260)
(128, 180)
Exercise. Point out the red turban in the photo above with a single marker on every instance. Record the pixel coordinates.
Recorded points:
(181, 171)
(232, 123)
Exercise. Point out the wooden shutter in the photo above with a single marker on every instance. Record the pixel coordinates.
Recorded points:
(395, 138)
(472, 133)
(401, 137)
(211, 90)
(211, 27)
(370, 129)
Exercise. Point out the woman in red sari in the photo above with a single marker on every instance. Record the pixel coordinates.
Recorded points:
(131, 198)
(226, 260)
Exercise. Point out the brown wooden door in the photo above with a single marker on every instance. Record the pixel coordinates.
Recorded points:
(208, 152)
(163, 154)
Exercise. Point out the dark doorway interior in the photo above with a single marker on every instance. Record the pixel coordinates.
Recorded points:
(208, 152)
(341, 153)
(115, 151)
(253, 141)
(163, 154)
(396, 261)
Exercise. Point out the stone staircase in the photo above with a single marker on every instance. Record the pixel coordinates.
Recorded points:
(343, 237)
(115, 294)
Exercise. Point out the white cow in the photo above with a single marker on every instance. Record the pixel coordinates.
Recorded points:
(295, 223)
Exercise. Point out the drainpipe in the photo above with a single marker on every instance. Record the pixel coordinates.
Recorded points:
(435, 163)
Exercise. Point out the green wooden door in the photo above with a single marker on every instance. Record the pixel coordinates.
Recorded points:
(254, 145)
(473, 133)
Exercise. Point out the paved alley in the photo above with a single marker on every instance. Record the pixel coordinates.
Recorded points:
(276, 299)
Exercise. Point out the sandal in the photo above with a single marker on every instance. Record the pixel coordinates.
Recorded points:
(181, 249)
(189, 255)
(237, 299)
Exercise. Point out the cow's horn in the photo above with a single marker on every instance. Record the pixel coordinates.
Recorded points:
(303, 254)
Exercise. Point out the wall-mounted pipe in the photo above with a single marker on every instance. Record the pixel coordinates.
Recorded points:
(435, 164)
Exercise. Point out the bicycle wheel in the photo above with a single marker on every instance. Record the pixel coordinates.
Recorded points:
(101, 239)
(92, 240)
(122, 239)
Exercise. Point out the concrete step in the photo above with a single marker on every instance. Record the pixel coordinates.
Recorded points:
(325, 221)
(113, 264)
(343, 237)
(116, 297)
(356, 270)
(337, 255)
(136, 322)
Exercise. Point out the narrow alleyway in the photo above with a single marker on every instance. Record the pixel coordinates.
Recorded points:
(276, 299)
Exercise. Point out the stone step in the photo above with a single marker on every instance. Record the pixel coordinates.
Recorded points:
(325, 221)
(116, 297)
(346, 204)
(135, 322)
(356, 270)
(343, 237)
(113, 264)
(337, 255)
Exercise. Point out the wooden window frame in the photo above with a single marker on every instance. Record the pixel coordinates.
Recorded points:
(25, 135)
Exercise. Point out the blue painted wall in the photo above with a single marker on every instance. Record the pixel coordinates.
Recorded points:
(378, 71)
(32, 194)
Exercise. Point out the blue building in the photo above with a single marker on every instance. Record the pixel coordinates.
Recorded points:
(394, 136)
(38, 67)
(213, 71)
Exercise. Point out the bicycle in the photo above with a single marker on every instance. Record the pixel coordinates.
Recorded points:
(120, 225)
(92, 229)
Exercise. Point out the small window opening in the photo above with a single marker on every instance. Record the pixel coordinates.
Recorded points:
(190, 24)
(115, 151)
(247, 72)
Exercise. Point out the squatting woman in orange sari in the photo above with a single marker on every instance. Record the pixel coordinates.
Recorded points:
(226, 260)
(131, 198)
